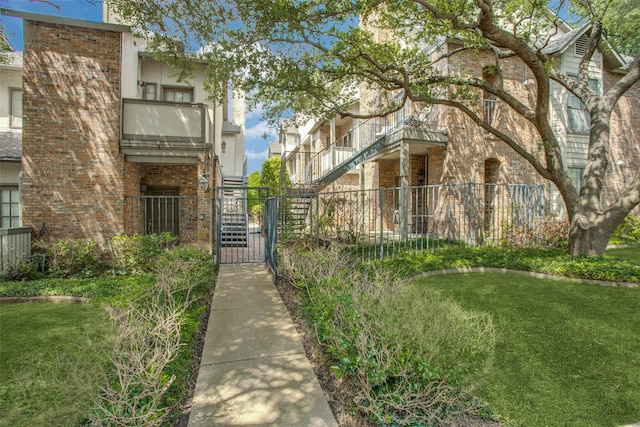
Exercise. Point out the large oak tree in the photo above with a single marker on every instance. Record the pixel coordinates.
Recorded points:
(305, 55)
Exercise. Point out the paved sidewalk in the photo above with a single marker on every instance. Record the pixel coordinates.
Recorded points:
(254, 371)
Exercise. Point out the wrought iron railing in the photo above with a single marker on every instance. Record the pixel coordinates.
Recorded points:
(384, 222)
(177, 215)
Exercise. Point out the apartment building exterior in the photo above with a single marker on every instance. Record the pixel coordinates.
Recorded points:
(10, 139)
(112, 142)
(422, 145)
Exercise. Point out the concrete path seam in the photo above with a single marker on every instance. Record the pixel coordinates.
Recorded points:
(272, 356)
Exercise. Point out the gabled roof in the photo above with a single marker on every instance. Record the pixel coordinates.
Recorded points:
(11, 145)
(560, 45)
(612, 59)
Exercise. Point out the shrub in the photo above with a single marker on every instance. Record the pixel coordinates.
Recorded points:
(71, 258)
(628, 231)
(409, 366)
(551, 231)
(136, 254)
(24, 270)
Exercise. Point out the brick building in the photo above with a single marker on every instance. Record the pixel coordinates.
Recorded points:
(112, 142)
(430, 145)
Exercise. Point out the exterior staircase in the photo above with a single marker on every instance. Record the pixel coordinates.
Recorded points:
(234, 220)
(293, 211)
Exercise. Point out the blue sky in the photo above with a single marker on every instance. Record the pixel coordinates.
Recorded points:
(256, 147)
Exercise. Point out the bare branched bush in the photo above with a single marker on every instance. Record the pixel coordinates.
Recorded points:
(551, 231)
(147, 341)
(299, 265)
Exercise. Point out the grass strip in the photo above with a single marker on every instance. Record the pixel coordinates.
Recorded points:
(54, 358)
(566, 353)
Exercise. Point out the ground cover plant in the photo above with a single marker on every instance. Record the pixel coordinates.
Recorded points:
(54, 358)
(396, 376)
(541, 260)
(348, 320)
(566, 353)
(156, 314)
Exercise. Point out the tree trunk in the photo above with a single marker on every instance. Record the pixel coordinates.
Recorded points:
(590, 237)
(590, 242)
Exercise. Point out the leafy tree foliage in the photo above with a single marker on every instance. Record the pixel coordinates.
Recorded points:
(271, 176)
(309, 56)
(253, 198)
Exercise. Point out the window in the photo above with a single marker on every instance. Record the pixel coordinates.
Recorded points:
(9, 206)
(490, 103)
(577, 114)
(178, 94)
(150, 90)
(15, 112)
(575, 174)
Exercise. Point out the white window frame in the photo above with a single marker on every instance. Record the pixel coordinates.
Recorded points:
(9, 209)
(169, 94)
(578, 118)
(145, 92)
(576, 173)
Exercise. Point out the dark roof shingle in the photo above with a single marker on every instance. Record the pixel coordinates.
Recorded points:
(11, 144)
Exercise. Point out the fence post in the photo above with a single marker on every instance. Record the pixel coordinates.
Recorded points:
(218, 222)
(469, 212)
(381, 222)
(317, 227)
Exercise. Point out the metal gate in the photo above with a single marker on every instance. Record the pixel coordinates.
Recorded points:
(240, 225)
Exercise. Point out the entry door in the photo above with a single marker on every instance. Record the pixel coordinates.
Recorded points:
(162, 211)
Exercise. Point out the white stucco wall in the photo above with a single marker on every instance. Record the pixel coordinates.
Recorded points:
(9, 172)
(9, 78)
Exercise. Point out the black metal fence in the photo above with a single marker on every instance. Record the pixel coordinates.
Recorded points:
(240, 224)
(383, 222)
(159, 214)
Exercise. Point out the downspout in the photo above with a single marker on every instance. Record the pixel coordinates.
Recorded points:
(214, 184)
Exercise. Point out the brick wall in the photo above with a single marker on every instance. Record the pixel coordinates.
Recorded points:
(470, 146)
(625, 140)
(73, 172)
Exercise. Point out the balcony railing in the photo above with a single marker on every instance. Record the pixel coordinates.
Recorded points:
(363, 136)
(164, 121)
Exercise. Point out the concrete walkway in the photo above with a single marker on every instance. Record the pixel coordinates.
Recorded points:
(254, 371)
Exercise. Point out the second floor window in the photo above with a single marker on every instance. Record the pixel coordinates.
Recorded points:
(177, 94)
(578, 117)
(16, 108)
(575, 175)
(150, 90)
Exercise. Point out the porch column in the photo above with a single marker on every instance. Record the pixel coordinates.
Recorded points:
(404, 192)
(332, 139)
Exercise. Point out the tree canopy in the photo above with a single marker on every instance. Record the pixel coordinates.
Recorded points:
(312, 56)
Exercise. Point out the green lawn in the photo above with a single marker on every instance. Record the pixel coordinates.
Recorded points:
(53, 359)
(567, 354)
(630, 253)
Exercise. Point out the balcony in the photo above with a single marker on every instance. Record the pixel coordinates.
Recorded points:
(376, 137)
(164, 132)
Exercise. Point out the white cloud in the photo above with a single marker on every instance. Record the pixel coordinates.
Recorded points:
(258, 130)
(252, 155)
(255, 113)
